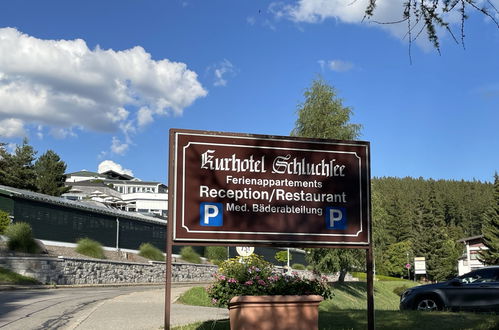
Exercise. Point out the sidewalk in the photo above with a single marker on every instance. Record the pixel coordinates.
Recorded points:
(144, 310)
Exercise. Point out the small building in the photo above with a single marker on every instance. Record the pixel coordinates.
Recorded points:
(469, 261)
(55, 219)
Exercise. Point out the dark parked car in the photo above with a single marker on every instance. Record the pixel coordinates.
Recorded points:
(477, 290)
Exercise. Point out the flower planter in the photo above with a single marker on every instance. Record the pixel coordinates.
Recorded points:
(274, 312)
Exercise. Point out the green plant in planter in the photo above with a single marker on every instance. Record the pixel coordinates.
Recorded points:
(253, 276)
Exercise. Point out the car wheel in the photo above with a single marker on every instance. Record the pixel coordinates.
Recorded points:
(428, 304)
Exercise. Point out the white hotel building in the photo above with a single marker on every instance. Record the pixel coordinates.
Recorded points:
(119, 191)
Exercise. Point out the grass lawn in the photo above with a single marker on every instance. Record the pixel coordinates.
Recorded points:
(347, 310)
(9, 277)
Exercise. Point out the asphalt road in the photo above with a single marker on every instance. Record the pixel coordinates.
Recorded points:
(97, 308)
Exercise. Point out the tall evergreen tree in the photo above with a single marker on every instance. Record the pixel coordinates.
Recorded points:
(49, 169)
(17, 170)
(430, 239)
(322, 115)
(490, 229)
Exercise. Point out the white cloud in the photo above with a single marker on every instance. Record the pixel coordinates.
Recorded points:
(221, 71)
(340, 66)
(63, 85)
(144, 117)
(353, 12)
(11, 127)
(118, 147)
(107, 165)
(336, 65)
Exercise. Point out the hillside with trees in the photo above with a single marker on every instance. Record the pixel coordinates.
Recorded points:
(425, 218)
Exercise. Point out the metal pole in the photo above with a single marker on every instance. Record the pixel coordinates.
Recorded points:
(117, 234)
(370, 288)
(168, 282)
(288, 259)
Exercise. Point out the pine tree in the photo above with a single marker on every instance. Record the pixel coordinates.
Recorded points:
(490, 229)
(49, 169)
(17, 170)
(431, 241)
(323, 115)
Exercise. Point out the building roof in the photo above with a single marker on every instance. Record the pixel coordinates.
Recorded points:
(25, 194)
(472, 238)
(83, 173)
(116, 176)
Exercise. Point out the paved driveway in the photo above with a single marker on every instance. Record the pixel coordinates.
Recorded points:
(97, 308)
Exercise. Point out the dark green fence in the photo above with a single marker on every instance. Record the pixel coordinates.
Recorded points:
(59, 223)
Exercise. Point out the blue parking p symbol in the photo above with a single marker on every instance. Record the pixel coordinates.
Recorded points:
(211, 214)
(336, 218)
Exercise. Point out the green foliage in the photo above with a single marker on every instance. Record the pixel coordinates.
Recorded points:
(432, 16)
(20, 238)
(400, 289)
(215, 253)
(149, 251)
(9, 277)
(298, 266)
(197, 296)
(431, 215)
(17, 170)
(282, 256)
(4, 221)
(90, 248)
(490, 228)
(377, 277)
(49, 169)
(339, 319)
(397, 256)
(254, 276)
(327, 261)
(188, 254)
(323, 115)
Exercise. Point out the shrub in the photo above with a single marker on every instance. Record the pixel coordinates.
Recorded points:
(20, 238)
(4, 221)
(400, 289)
(282, 256)
(310, 267)
(149, 251)
(215, 253)
(188, 254)
(298, 266)
(90, 248)
(243, 276)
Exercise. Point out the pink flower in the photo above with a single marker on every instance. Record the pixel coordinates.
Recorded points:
(232, 280)
(262, 282)
(250, 282)
(214, 301)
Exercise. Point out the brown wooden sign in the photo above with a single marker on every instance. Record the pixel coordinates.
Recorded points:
(236, 188)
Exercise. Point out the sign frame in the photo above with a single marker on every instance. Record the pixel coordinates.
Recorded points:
(184, 141)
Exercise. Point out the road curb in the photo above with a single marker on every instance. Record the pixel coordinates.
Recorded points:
(8, 287)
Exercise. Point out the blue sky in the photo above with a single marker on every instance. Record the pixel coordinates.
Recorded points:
(100, 81)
